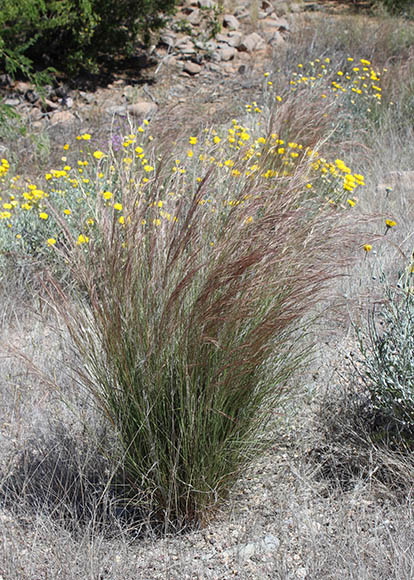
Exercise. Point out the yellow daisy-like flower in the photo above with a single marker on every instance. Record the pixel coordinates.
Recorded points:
(193, 140)
(390, 223)
(107, 195)
(367, 247)
(118, 206)
(98, 154)
(82, 239)
(51, 242)
(43, 215)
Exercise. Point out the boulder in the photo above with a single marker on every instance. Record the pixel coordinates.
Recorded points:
(143, 109)
(231, 22)
(226, 53)
(251, 42)
(192, 68)
(62, 117)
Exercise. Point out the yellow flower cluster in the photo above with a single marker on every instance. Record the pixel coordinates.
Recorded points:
(358, 80)
(98, 180)
(4, 167)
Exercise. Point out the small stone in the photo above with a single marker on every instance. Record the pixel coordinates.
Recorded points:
(270, 542)
(116, 110)
(67, 102)
(211, 45)
(247, 551)
(226, 53)
(168, 38)
(12, 101)
(194, 18)
(87, 97)
(31, 95)
(185, 45)
(62, 91)
(35, 114)
(48, 106)
(276, 39)
(22, 87)
(209, 4)
(267, 6)
(143, 109)
(5, 80)
(231, 22)
(281, 23)
(214, 67)
(233, 38)
(295, 8)
(61, 117)
(192, 68)
(251, 42)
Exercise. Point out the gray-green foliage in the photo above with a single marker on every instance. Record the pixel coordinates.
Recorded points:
(387, 365)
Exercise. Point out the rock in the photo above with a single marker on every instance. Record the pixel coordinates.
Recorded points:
(48, 106)
(281, 23)
(282, 8)
(87, 97)
(210, 45)
(241, 13)
(61, 117)
(22, 87)
(116, 110)
(195, 17)
(312, 7)
(5, 80)
(12, 101)
(144, 109)
(168, 38)
(226, 53)
(233, 38)
(267, 545)
(214, 67)
(209, 4)
(295, 8)
(275, 39)
(267, 6)
(185, 45)
(229, 67)
(192, 68)
(32, 96)
(35, 114)
(66, 102)
(251, 42)
(62, 91)
(231, 22)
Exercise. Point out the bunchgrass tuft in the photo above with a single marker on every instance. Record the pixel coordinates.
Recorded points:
(190, 321)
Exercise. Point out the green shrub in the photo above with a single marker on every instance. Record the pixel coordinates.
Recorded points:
(71, 35)
(387, 365)
(399, 7)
